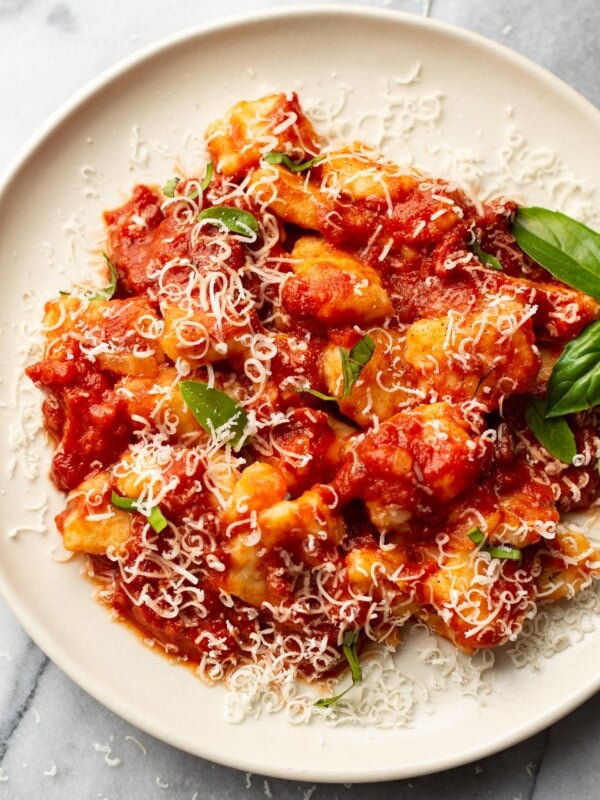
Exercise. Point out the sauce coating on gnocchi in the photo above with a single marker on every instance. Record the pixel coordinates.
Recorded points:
(350, 449)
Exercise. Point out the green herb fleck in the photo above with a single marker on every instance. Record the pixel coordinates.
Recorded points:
(155, 517)
(170, 186)
(477, 536)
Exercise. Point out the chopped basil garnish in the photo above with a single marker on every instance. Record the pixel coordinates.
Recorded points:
(568, 249)
(352, 364)
(170, 186)
(508, 553)
(108, 292)
(486, 258)
(477, 536)
(282, 158)
(574, 384)
(155, 517)
(218, 413)
(554, 434)
(349, 650)
(231, 219)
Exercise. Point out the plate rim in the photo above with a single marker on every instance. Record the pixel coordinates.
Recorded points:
(10, 173)
(126, 63)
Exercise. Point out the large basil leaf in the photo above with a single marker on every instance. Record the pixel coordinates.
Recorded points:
(554, 434)
(568, 249)
(574, 384)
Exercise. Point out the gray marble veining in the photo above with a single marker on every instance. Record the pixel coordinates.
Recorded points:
(56, 742)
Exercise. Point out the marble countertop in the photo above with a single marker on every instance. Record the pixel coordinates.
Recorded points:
(56, 741)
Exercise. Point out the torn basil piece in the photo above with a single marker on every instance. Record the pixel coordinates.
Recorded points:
(354, 361)
(217, 413)
(228, 218)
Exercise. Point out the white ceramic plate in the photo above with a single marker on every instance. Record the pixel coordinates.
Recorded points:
(461, 105)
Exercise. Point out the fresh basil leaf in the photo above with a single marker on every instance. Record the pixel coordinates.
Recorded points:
(156, 518)
(354, 361)
(231, 219)
(218, 413)
(574, 383)
(349, 649)
(477, 536)
(554, 433)
(486, 258)
(282, 158)
(568, 249)
(362, 351)
(108, 292)
(207, 176)
(170, 186)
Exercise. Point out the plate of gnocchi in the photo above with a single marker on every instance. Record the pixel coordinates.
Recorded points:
(301, 397)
